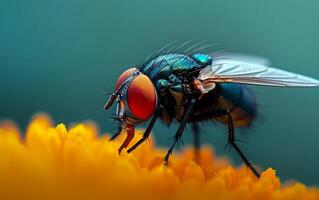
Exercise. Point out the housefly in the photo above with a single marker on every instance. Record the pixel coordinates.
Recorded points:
(191, 88)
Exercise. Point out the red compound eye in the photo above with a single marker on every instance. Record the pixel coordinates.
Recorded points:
(124, 76)
(141, 97)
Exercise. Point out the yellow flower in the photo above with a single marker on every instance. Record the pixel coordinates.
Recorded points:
(56, 163)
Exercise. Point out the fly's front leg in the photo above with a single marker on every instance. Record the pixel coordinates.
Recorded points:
(119, 131)
(161, 86)
(147, 131)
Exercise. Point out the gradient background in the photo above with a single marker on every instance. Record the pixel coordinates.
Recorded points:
(57, 56)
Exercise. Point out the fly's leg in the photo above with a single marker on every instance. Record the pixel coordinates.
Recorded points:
(146, 133)
(196, 142)
(231, 141)
(180, 130)
(119, 130)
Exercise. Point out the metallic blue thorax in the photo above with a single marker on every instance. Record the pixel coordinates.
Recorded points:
(165, 65)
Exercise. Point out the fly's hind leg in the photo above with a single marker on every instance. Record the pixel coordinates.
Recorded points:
(231, 141)
(196, 142)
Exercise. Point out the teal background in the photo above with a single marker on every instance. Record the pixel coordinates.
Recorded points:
(58, 56)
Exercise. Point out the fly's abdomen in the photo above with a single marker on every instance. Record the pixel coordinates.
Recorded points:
(240, 101)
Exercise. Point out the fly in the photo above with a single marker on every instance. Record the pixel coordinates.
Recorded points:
(191, 88)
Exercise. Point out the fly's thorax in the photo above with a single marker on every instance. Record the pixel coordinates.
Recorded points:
(164, 65)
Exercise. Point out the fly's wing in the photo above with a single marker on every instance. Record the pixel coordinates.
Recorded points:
(234, 71)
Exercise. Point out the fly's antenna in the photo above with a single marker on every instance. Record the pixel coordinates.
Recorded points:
(110, 101)
(115, 94)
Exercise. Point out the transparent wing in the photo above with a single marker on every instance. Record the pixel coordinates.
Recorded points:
(234, 71)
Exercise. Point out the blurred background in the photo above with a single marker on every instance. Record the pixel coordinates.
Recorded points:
(59, 56)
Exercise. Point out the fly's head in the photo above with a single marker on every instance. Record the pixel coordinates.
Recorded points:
(136, 99)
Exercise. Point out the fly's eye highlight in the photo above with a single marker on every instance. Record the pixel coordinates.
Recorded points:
(124, 76)
(141, 97)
